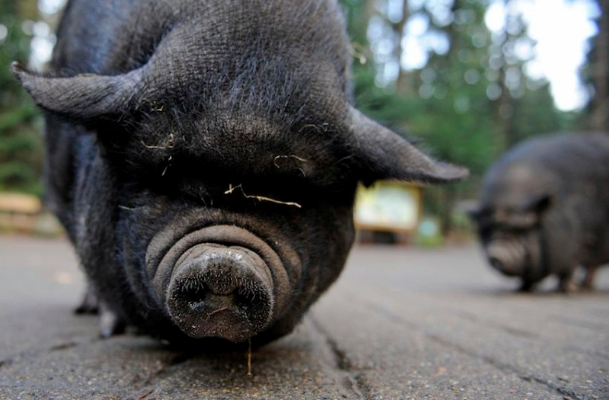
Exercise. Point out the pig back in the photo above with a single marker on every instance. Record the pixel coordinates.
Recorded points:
(116, 36)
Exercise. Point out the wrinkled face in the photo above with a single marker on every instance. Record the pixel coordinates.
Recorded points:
(228, 238)
(512, 242)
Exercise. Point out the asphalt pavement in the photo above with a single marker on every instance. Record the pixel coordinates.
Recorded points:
(401, 323)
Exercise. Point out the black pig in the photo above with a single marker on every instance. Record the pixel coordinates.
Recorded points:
(203, 156)
(545, 209)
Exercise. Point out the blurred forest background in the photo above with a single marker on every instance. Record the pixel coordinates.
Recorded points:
(470, 95)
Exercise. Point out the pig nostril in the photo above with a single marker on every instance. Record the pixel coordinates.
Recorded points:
(194, 294)
(243, 300)
(497, 263)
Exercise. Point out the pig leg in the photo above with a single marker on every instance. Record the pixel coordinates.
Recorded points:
(110, 323)
(526, 286)
(566, 284)
(89, 303)
(588, 282)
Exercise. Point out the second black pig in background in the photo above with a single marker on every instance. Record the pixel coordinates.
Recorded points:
(544, 209)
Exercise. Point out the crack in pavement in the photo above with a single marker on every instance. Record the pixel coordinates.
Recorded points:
(488, 322)
(63, 346)
(577, 322)
(504, 367)
(150, 379)
(35, 390)
(47, 350)
(600, 354)
(142, 394)
(355, 382)
(471, 316)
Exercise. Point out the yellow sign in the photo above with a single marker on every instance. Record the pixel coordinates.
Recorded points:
(388, 206)
(19, 203)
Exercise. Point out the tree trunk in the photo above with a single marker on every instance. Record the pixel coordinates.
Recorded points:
(599, 116)
(505, 104)
(446, 223)
(402, 83)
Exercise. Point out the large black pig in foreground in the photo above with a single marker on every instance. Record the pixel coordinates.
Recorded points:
(545, 209)
(203, 156)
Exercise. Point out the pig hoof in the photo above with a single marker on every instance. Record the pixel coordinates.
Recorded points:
(526, 287)
(567, 287)
(110, 323)
(587, 284)
(89, 303)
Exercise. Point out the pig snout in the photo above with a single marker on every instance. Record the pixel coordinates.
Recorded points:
(220, 281)
(220, 291)
(507, 257)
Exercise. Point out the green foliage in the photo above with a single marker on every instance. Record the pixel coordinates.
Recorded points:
(20, 141)
(595, 73)
(535, 114)
(357, 19)
(452, 104)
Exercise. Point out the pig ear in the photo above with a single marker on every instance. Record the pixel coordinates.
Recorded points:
(386, 155)
(85, 96)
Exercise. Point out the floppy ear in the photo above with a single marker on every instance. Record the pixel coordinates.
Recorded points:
(386, 155)
(85, 96)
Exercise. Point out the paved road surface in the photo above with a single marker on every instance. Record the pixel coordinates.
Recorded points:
(400, 324)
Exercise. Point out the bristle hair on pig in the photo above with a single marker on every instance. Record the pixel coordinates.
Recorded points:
(544, 209)
(203, 156)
